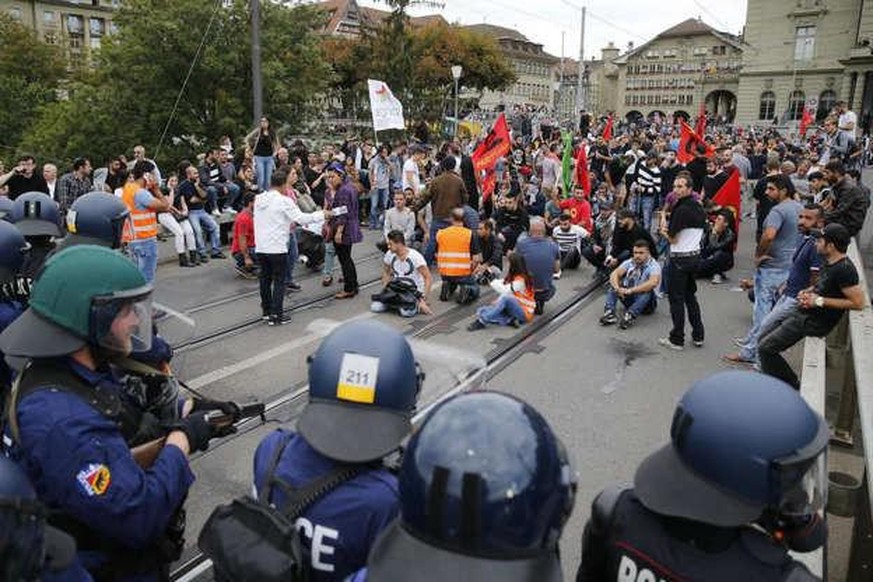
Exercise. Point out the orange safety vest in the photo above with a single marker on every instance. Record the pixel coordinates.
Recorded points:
(525, 299)
(453, 251)
(144, 222)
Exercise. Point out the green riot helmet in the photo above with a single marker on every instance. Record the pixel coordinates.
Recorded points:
(84, 295)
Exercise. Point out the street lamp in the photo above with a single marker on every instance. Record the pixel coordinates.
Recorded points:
(556, 85)
(456, 75)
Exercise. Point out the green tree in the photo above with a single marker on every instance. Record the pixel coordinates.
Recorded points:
(29, 74)
(141, 70)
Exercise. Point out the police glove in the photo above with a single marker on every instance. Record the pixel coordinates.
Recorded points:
(206, 405)
(196, 428)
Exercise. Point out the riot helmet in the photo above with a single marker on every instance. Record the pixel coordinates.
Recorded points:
(6, 208)
(485, 491)
(363, 386)
(84, 295)
(96, 218)
(36, 214)
(740, 443)
(27, 545)
(13, 249)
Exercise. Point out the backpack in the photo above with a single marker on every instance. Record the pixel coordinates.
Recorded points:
(248, 539)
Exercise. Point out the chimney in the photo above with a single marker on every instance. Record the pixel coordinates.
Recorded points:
(609, 52)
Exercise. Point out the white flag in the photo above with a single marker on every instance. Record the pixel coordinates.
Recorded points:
(387, 109)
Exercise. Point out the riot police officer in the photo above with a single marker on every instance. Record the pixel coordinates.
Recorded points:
(13, 250)
(6, 209)
(71, 425)
(363, 386)
(29, 548)
(485, 491)
(96, 218)
(736, 487)
(37, 217)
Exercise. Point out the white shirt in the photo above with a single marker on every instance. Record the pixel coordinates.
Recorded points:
(274, 214)
(845, 120)
(411, 167)
(407, 268)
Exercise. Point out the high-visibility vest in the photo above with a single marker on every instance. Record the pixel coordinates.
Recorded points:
(525, 299)
(453, 251)
(143, 222)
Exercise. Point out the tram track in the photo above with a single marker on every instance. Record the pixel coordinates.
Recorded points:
(496, 360)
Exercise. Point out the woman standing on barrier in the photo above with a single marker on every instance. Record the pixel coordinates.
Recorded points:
(515, 304)
(264, 144)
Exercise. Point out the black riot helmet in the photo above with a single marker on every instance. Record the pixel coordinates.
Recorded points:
(97, 218)
(36, 214)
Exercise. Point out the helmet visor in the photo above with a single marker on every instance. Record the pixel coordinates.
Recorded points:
(800, 478)
(122, 322)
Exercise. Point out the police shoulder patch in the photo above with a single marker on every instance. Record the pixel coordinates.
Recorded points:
(94, 479)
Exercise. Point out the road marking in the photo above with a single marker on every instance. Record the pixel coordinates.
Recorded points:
(226, 371)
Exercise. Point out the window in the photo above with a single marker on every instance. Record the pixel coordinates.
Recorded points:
(96, 26)
(95, 42)
(75, 24)
(49, 17)
(719, 50)
(700, 51)
(50, 38)
(804, 43)
(796, 103)
(767, 108)
(826, 102)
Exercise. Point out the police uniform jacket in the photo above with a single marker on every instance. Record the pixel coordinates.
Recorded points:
(339, 529)
(82, 469)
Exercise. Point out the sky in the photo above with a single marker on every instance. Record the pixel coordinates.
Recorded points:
(619, 21)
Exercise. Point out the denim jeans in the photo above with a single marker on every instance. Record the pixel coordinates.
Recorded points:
(201, 221)
(784, 307)
(778, 339)
(435, 226)
(291, 257)
(646, 208)
(329, 258)
(503, 311)
(211, 198)
(682, 292)
(145, 252)
(634, 304)
(233, 195)
(264, 166)
(272, 282)
(767, 282)
(378, 202)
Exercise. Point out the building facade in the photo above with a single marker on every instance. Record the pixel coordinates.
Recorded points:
(76, 26)
(534, 69)
(806, 53)
(681, 70)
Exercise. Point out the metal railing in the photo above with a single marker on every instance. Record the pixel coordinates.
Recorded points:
(843, 365)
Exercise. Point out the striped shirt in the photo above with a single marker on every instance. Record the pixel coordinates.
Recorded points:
(648, 180)
(570, 238)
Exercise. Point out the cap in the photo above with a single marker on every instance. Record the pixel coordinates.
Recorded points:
(336, 167)
(835, 233)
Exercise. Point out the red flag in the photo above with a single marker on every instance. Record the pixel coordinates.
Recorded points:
(495, 145)
(700, 126)
(607, 130)
(582, 176)
(805, 121)
(728, 196)
(689, 141)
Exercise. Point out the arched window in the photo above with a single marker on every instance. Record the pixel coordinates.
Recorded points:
(767, 110)
(796, 103)
(826, 102)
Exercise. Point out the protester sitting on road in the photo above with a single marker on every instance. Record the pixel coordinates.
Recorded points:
(195, 198)
(243, 246)
(600, 248)
(458, 254)
(633, 283)
(570, 238)
(578, 208)
(515, 303)
(398, 217)
(491, 247)
(176, 221)
(406, 279)
(511, 219)
(543, 259)
(627, 231)
(717, 255)
(819, 308)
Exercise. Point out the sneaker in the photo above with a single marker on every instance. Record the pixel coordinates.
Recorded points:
(515, 323)
(717, 279)
(608, 318)
(740, 342)
(668, 343)
(204, 258)
(698, 343)
(304, 260)
(556, 275)
(216, 213)
(476, 325)
(278, 320)
(627, 320)
(245, 273)
(217, 255)
(231, 211)
(293, 287)
(538, 310)
(265, 316)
